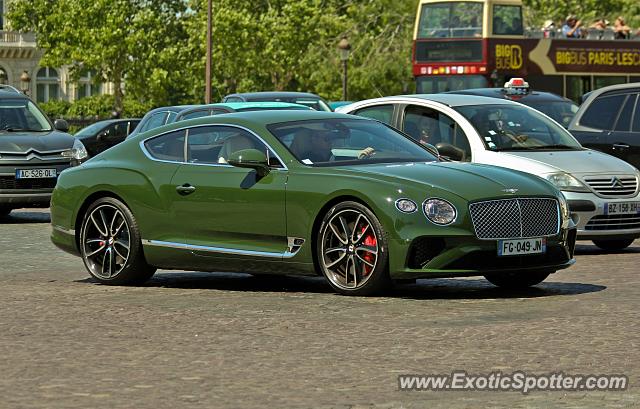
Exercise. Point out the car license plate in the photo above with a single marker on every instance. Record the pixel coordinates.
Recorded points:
(35, 173)
(622, 208)
(522, 246)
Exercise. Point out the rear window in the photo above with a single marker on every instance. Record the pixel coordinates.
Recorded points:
(602, 112)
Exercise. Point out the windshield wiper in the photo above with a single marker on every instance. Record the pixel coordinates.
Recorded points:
(9, 129)
(535, 148)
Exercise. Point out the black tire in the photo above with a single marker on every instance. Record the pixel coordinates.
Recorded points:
(4, 211)
(130, 270)
(365, 235)
(613, 245)
(517, 280)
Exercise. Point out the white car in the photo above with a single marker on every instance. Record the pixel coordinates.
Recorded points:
(602, 190)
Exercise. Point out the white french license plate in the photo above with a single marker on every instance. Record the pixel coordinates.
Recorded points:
(36, 173)
(622, 208)
(522, 246)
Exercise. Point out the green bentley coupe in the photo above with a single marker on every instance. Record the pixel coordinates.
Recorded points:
(305, 193)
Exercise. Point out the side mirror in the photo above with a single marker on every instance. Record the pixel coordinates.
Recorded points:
(450, 151)
(61, 125)
(250, 158)
(432, 149)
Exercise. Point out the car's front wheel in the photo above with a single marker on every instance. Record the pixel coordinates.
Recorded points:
(110, 244)
(352, 250)
(517, 280)
(613, 245)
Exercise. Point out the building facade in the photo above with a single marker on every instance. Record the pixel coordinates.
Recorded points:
(20, 67)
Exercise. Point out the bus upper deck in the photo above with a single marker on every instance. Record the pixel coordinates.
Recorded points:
(462, 44)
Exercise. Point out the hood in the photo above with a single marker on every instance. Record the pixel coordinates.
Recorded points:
(573, 162)
(466, 180)
(23, 142)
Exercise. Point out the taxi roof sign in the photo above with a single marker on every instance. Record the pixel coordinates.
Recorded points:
(516, 86)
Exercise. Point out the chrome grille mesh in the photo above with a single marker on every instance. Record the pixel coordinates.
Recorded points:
(613, 186)
(515, 218)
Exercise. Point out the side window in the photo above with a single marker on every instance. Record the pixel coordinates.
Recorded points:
(155, 121)
(171, 117)
(233, 99)
(624, 119)
(132, 126)
(602, 112)
(383, 113)
(214, 144)
(194, 114)
(169, 146)
(427, 125)
(636, 118)
(120, 130)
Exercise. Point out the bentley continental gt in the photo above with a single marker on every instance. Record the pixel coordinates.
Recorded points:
(305, 193)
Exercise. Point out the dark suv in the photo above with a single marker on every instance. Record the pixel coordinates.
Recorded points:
(33, 152)
(609, 121)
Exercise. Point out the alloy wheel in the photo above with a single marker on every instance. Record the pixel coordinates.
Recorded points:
(105, 241)
(349, 249)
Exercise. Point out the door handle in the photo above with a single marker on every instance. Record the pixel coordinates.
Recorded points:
(620, 146)
(185, 189)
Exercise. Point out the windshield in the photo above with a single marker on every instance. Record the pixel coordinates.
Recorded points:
(347, 141)
(21, 115)
(90, 130)
(315, 103)
(561, 111)
(516, 127)
(450, 19)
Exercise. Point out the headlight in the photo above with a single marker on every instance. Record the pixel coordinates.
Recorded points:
(566, 182)
(439, 211)
(406, 205)
(77, 152)
(564, 207)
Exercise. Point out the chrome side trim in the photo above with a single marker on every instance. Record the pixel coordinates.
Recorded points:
(219, 250)
(64, 230)
(186, 128)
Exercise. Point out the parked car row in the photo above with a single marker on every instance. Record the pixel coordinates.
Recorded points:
(389, 188)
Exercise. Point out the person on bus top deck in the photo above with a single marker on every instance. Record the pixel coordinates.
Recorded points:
(622, 30)
(600, 24)
(571, 27)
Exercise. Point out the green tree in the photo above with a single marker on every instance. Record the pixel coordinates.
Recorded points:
(117, 38)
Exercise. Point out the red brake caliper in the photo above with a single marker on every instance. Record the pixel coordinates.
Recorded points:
(369, 240)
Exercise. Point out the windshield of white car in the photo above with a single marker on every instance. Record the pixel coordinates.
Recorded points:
(517, 127)
(18, 115)
(332, 142)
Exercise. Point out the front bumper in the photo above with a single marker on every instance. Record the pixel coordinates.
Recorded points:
(18, 193)
(588, 213)
(460, 256)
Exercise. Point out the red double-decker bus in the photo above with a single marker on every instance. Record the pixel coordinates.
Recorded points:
(483, 43)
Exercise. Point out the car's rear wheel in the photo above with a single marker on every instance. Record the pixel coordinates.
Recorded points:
(613, 245)
(352, 250)
(110, 244)
(517, 280)
(5, 211)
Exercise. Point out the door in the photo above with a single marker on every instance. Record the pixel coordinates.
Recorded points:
(601, 117)
(624, 140)
(225, 211)
(430, 126)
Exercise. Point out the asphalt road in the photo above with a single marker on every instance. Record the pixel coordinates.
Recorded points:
(219, 340)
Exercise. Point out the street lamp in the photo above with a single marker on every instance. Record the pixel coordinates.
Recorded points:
(344, 48)
(25, 82)
(3, 77)
(207, 75)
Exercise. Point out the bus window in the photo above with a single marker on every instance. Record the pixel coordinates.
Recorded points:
(450, 19)
(507, 20)
(434, 85)
(599, 81)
